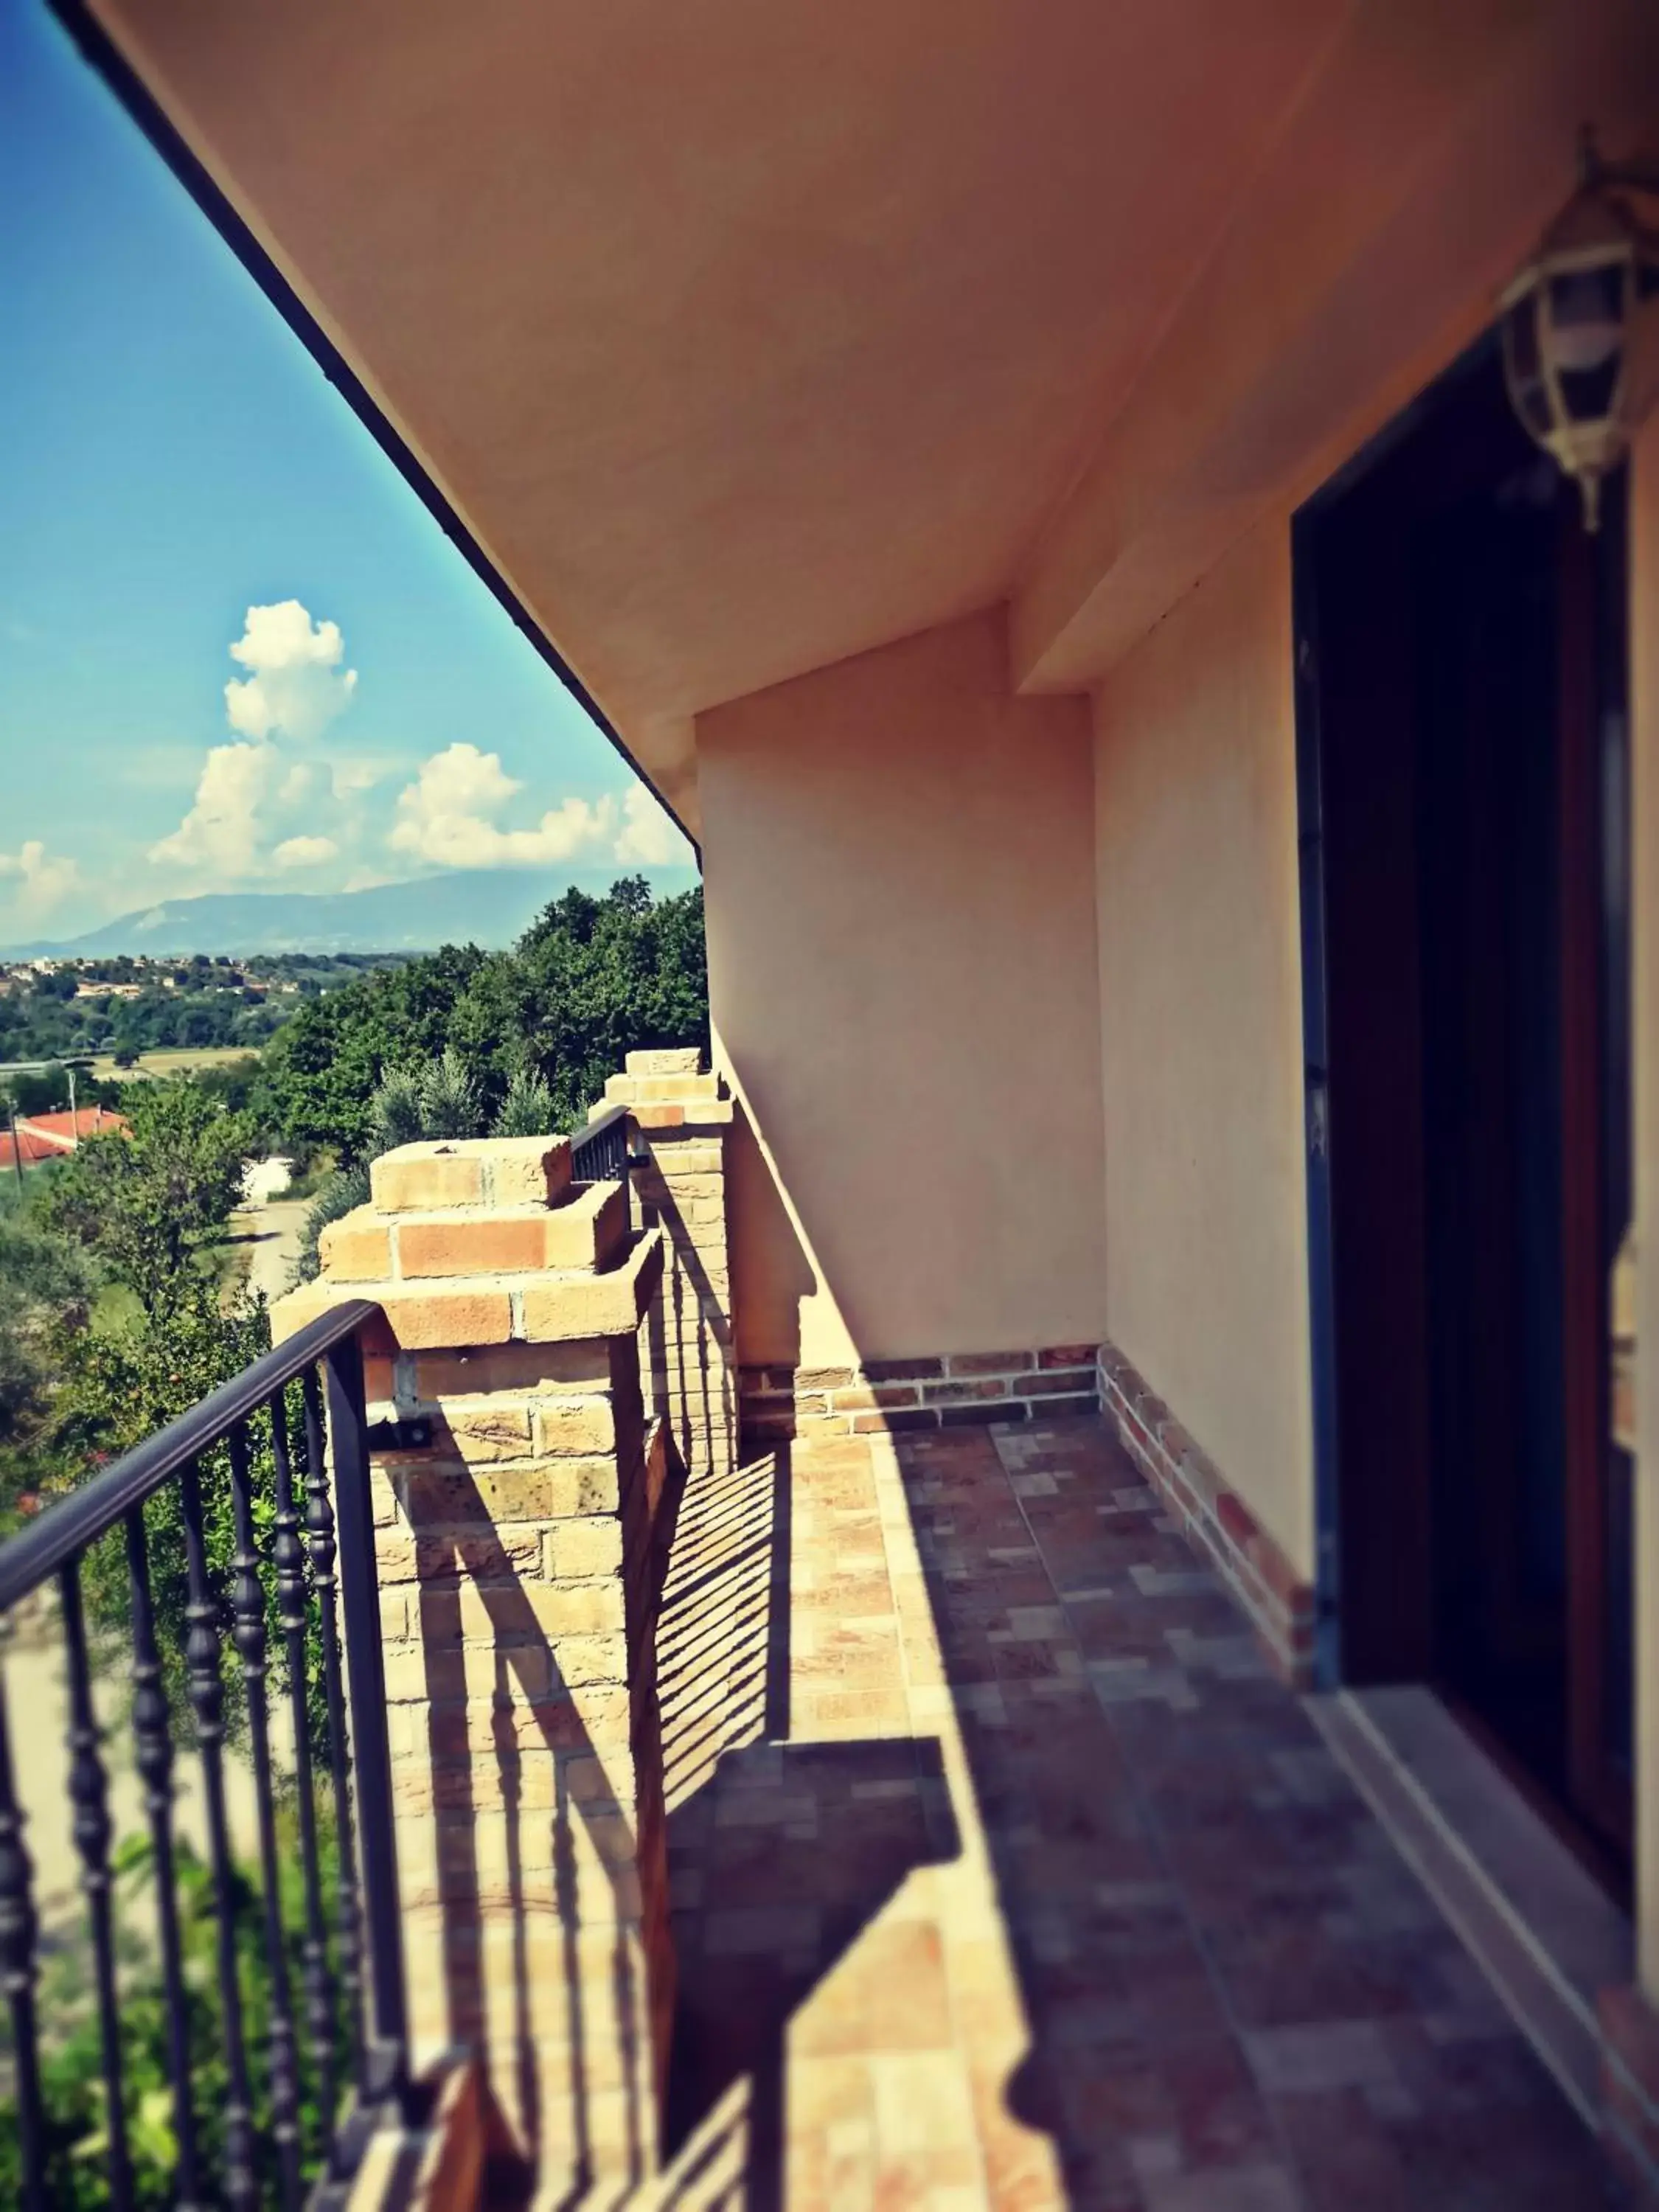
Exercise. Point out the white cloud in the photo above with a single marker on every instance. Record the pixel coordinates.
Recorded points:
(304, 852)
(446, 816)
(449, 816)
(43, 880)
(351, 776)
(257, 807)
(649, 836)
(295, 685)
(221, 833)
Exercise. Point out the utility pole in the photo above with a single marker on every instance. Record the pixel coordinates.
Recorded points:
(74, 1127)
(16, 1149)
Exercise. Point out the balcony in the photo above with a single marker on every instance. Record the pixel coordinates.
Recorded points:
(893, 1805)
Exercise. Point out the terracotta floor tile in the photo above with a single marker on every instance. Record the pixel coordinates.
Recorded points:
(1004, 1875)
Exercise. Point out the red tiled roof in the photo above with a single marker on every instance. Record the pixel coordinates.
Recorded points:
(48, 1136)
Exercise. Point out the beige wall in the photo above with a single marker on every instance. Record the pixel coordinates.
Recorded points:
(899, 882)
(1645, 732)
(1201, 989)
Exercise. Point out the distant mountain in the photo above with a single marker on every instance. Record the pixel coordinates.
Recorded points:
(487, 907)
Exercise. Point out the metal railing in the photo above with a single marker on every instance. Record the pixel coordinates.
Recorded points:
(600, 1153)
(242, 1552)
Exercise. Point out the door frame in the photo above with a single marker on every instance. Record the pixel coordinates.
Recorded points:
(1595, 1795)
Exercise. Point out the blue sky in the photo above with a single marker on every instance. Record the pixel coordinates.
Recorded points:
(170, 459)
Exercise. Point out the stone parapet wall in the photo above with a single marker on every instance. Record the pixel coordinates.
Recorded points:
(1280, 1603)
(516, 1477)
(681, 1118)
(949, 1390)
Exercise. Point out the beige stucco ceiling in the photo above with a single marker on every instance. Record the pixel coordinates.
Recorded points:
(744, 337)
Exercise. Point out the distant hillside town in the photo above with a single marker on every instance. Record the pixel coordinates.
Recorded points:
(59, 1009)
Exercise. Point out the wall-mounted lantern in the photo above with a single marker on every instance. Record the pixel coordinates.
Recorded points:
(1570, 324)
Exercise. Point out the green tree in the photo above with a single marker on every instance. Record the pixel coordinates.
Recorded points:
(45, 1093)
(395, 1114)
(146, 1202)
(47, 1283)
(592, 980)
(324, 1065)
(449, 1098)
(528, 1109)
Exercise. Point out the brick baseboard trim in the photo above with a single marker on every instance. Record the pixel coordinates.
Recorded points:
(954, 1389)
(1214, 1518)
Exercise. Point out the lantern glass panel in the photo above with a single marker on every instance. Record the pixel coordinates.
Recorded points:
(1521, 358)
(1587, 317)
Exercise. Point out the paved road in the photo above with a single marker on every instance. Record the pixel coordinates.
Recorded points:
(273, 1232)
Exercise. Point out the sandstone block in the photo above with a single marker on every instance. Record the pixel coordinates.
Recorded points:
(490, 1430)
(471, 1313)
(485, 1243)
(425, 1175)
(577, 1549)
(589, 1232)
(582, 1426)
(665, 1060)
(697, 1155)
(526, 1367)
(583, 1486)
(394, 1558)
(445, 1496)
(296, 1308)
(531, 1612)
(357, 1248)
(527, 1170)
(587, 1659)
(506, 1551)
(649, 1090)
(593, 1305)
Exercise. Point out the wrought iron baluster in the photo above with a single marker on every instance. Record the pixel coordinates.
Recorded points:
(153, 1757)
(319, 1542)
(249, 1635)
(291, 1613)
(88, 1789)
(207, 1697)
(19, 1935)
(386, 2037)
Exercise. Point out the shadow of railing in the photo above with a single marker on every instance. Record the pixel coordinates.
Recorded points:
(682, 1361)
(562, 1826)
(782, 1852)
(811, 1841)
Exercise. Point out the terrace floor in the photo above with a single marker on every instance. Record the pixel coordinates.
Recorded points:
(1004, 1873)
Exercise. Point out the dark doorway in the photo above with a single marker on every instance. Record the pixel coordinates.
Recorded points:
(1462, 735)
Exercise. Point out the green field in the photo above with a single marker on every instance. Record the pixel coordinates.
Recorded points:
(170, 1063)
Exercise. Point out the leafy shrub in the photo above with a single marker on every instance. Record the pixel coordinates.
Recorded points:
(70, 2051)
(449, 1098)
(528, 1109)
